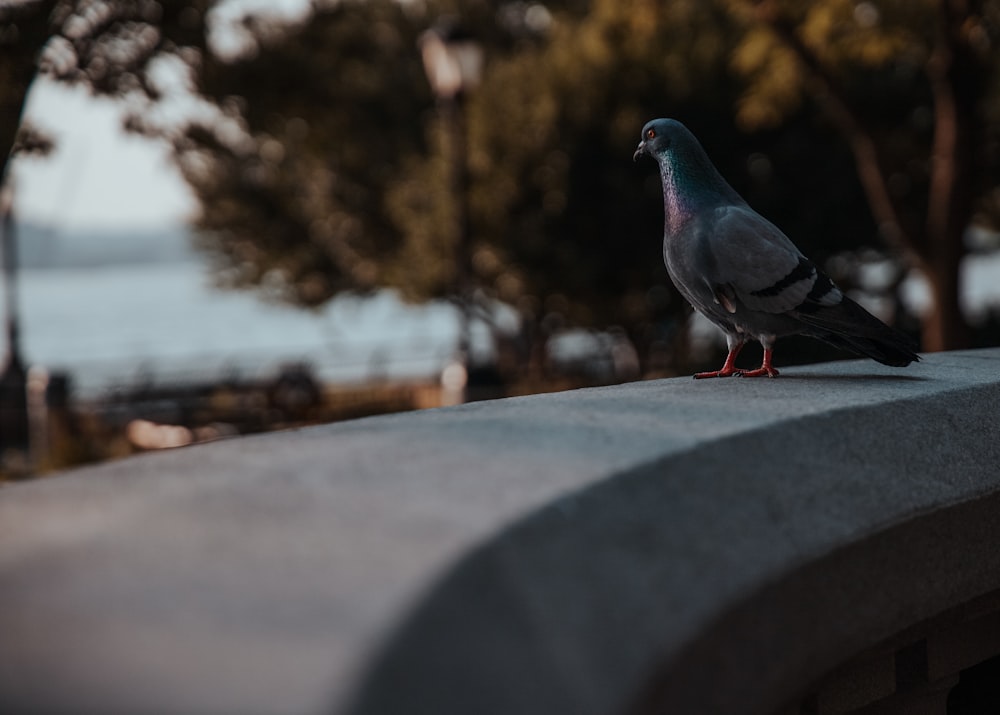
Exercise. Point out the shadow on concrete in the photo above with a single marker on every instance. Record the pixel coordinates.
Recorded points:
(834, 377)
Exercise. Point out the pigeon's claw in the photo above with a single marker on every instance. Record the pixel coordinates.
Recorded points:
(717, 373)
(759, 372)
(764, 369)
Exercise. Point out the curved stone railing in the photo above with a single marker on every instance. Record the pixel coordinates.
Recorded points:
(818, 543)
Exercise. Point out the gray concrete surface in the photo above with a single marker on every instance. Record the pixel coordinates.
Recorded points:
(673, 545)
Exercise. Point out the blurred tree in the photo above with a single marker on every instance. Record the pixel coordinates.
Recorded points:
(24, 30)
(911, 86)
(115, 47)
(317, 118)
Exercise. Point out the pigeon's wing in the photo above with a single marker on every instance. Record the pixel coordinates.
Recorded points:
(756, 264)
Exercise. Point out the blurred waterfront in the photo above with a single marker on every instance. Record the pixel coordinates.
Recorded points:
(118, 323)
(130, 347)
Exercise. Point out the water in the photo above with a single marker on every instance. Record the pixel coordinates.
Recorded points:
(112, 325)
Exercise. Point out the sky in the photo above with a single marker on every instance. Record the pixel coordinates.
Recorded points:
(98, 176)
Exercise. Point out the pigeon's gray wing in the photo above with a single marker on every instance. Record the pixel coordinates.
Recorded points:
(759, 269)
(758, 266)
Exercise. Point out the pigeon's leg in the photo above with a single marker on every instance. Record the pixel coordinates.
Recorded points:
(764, 369)
(729, 368)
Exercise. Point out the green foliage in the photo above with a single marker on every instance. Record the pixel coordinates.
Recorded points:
(319, 118)
(873, 52)
(24, 29)
(111, 46)
(854, 40)
(775, 79)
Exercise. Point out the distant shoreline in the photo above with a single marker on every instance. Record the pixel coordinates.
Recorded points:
(41, 248)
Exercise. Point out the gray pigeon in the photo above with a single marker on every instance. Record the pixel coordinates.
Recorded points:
(741, 272)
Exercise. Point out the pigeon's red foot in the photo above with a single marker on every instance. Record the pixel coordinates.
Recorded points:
(727, 370)
(716, 373)
(764, 369)
(759, 372)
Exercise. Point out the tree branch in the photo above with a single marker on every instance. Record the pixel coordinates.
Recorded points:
(955, 77)
(24, 29)
(828, 93)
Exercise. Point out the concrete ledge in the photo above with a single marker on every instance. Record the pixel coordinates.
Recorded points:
(668, 546)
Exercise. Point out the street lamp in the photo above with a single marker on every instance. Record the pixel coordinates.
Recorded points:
(453, 62)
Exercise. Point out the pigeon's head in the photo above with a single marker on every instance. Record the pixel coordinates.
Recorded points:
(689, 179)
(659, 136)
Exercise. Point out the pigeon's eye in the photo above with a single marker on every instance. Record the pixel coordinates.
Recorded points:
(650, 133)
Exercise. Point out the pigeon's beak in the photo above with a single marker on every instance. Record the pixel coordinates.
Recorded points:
(640, 150)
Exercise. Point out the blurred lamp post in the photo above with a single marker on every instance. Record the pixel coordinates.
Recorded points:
(453, 62)
(14, 377)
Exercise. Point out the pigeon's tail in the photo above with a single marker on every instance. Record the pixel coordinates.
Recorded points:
(849, 326)
(885, 352)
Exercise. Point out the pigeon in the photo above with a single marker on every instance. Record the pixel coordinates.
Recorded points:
(741, 272)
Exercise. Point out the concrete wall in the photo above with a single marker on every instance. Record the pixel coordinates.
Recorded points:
(815, 543)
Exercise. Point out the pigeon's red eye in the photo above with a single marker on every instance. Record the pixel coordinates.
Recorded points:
(650, 133)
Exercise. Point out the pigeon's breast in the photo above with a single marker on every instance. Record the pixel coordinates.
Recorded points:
(691, 265)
